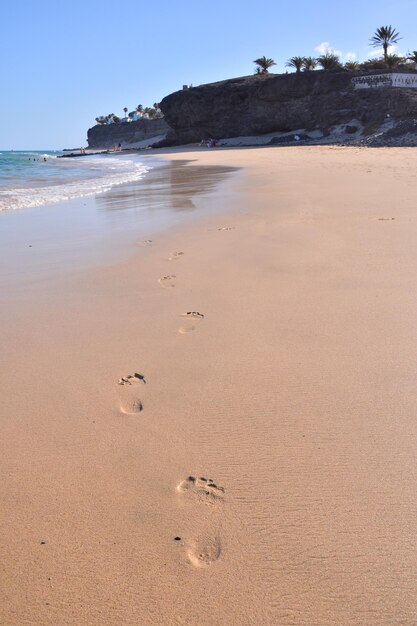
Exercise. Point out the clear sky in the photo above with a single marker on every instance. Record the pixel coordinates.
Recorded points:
(63, 63)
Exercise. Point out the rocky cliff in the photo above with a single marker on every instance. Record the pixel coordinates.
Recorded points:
(256, 105)
(108, 135)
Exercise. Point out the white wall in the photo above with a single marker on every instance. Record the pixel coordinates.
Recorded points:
(375, 81)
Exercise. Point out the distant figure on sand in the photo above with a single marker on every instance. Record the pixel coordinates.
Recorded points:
(210, 143)
(119, 147)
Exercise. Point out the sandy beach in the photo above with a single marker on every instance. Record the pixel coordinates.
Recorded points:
(216, 424)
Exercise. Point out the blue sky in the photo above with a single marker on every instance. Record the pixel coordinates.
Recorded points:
(64, 63)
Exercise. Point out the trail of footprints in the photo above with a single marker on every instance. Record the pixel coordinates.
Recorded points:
(206, 549)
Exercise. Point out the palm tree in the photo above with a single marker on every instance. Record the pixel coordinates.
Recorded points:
(296, 63)
(157, 108)
(329, 61)
(148, 112)
(384, 37)
(373, 64)
(412, 56)
(393, 60)
(139, 108)
(309, 63)
(351, 65)
(263, 65)
(125, 109)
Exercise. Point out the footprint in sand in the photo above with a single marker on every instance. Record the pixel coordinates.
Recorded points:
(167, 281)
(204, 551)
(175, 256)
(222, 228)
(130, 391)
(147, 242)
(189, 327)
(207, 548)
(193, 314)
(201, 489)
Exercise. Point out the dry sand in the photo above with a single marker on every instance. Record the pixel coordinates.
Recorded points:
(295, 395)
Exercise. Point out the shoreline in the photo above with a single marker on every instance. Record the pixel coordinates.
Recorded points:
(290, 404)
(90, 231)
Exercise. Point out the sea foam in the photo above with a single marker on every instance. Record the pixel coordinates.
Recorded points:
(66, 179)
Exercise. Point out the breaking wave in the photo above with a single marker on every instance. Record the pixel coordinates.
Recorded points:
(66, 179)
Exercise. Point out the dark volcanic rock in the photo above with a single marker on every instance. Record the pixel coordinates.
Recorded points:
(104, 136)
(403, 133)
(255, 105)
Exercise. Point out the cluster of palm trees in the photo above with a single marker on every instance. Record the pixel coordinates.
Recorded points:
(153, 112)
(107, 119)
(384, 37)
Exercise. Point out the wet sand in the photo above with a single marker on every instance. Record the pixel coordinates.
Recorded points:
(220, 428)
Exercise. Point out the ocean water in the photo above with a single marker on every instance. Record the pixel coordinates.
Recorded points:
(35, 178)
